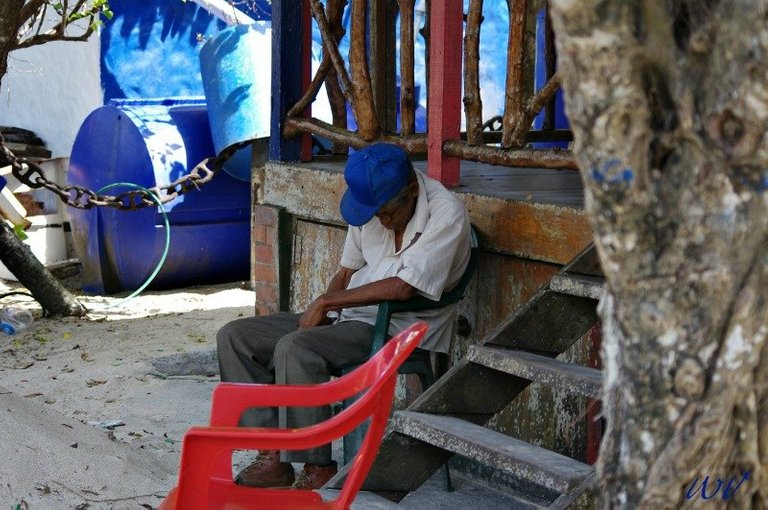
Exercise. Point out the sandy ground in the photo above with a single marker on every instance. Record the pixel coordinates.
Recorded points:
(96, 376)
(93, 410)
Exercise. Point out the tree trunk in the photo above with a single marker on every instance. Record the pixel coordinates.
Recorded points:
(9, 27)
(18, 258)
(669, 106)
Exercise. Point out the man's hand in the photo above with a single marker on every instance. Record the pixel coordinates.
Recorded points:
(388, 289)
(314, 315)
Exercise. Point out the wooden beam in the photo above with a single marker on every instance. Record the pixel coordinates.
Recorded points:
(362, 97)
(513, 106)
(381, 42)
(407, 83)
(11, 208)
(333, 88)
(521, 228)
(473, 102)
(416, 143)
(445, 50)
(291, 37)
(556, 158)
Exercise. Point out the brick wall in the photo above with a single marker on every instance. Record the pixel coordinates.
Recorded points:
(267, 223)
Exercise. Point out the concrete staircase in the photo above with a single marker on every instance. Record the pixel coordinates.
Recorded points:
(449, 417)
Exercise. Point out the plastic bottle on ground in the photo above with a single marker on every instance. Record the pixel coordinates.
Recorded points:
(14, 320)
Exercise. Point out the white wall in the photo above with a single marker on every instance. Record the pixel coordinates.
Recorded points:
(50, 89)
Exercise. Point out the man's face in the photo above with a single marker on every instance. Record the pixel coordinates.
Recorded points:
(395, 214)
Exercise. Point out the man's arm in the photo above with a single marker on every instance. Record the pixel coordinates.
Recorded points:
(388, 289)
(341, 279)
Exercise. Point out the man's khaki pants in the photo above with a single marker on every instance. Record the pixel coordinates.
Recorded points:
(271, 349)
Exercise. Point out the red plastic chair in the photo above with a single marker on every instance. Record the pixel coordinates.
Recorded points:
(205, 476)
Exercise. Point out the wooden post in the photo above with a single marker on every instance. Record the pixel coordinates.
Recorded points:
(359, 69)
(473, 101)
(382, 44)
(513, 104)
(407, 87)
(445, 51)
(333, 89)
(594, 425)
(291, 40)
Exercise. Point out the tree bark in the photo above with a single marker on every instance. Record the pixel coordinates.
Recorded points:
(513, 101)
(473, 100)
(17, 257)
(9, 28)
(668, 102)
(362, 98)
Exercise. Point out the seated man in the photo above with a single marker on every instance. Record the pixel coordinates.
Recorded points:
(408, 235)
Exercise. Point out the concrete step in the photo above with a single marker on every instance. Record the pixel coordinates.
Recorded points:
(577, 285)
(538, 465)
(534, 367)
(549, 321)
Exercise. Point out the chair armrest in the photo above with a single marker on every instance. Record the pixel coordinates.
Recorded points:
(415, 304)
(231, 399)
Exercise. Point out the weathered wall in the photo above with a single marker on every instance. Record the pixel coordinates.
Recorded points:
(514, 264)
(50, 89)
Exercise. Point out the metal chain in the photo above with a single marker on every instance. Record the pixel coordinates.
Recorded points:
(30, 173)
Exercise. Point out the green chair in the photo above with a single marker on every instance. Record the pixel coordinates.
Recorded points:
(419, 361)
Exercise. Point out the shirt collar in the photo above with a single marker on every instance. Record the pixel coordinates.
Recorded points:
(420, 217)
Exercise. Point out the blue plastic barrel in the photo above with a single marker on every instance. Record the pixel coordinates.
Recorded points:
(236, 68)
(152, 143)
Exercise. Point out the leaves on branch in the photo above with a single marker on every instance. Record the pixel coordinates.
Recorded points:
(33, 28)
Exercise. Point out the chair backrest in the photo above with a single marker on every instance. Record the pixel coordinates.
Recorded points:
(376, 403)
(206, 453)
(386, 361)
(460, 288)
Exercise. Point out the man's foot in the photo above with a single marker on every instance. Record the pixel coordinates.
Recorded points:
(267, 471)
(315, 476)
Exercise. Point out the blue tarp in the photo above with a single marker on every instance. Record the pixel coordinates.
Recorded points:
(151, 48)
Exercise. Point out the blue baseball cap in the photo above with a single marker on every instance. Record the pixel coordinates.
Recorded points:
(374, 175)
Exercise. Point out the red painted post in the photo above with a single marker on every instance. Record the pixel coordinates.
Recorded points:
(444, 99)
(594, 425)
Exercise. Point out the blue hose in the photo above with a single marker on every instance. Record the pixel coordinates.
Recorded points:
(167, 226)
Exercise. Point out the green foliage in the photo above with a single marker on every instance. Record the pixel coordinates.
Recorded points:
(89, 10)
(19, 231)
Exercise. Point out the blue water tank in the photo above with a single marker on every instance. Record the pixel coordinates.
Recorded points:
(152, 143)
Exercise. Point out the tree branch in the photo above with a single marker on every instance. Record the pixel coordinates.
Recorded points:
(325, 65)
(335, 95)
(30, 9)
(407, 88)
(413, 143)
(48, 37)
(314, 87)
(330, 46)
(526, 158)
(473, 101)
(362, 98)
(535, 105)
(513, 106)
